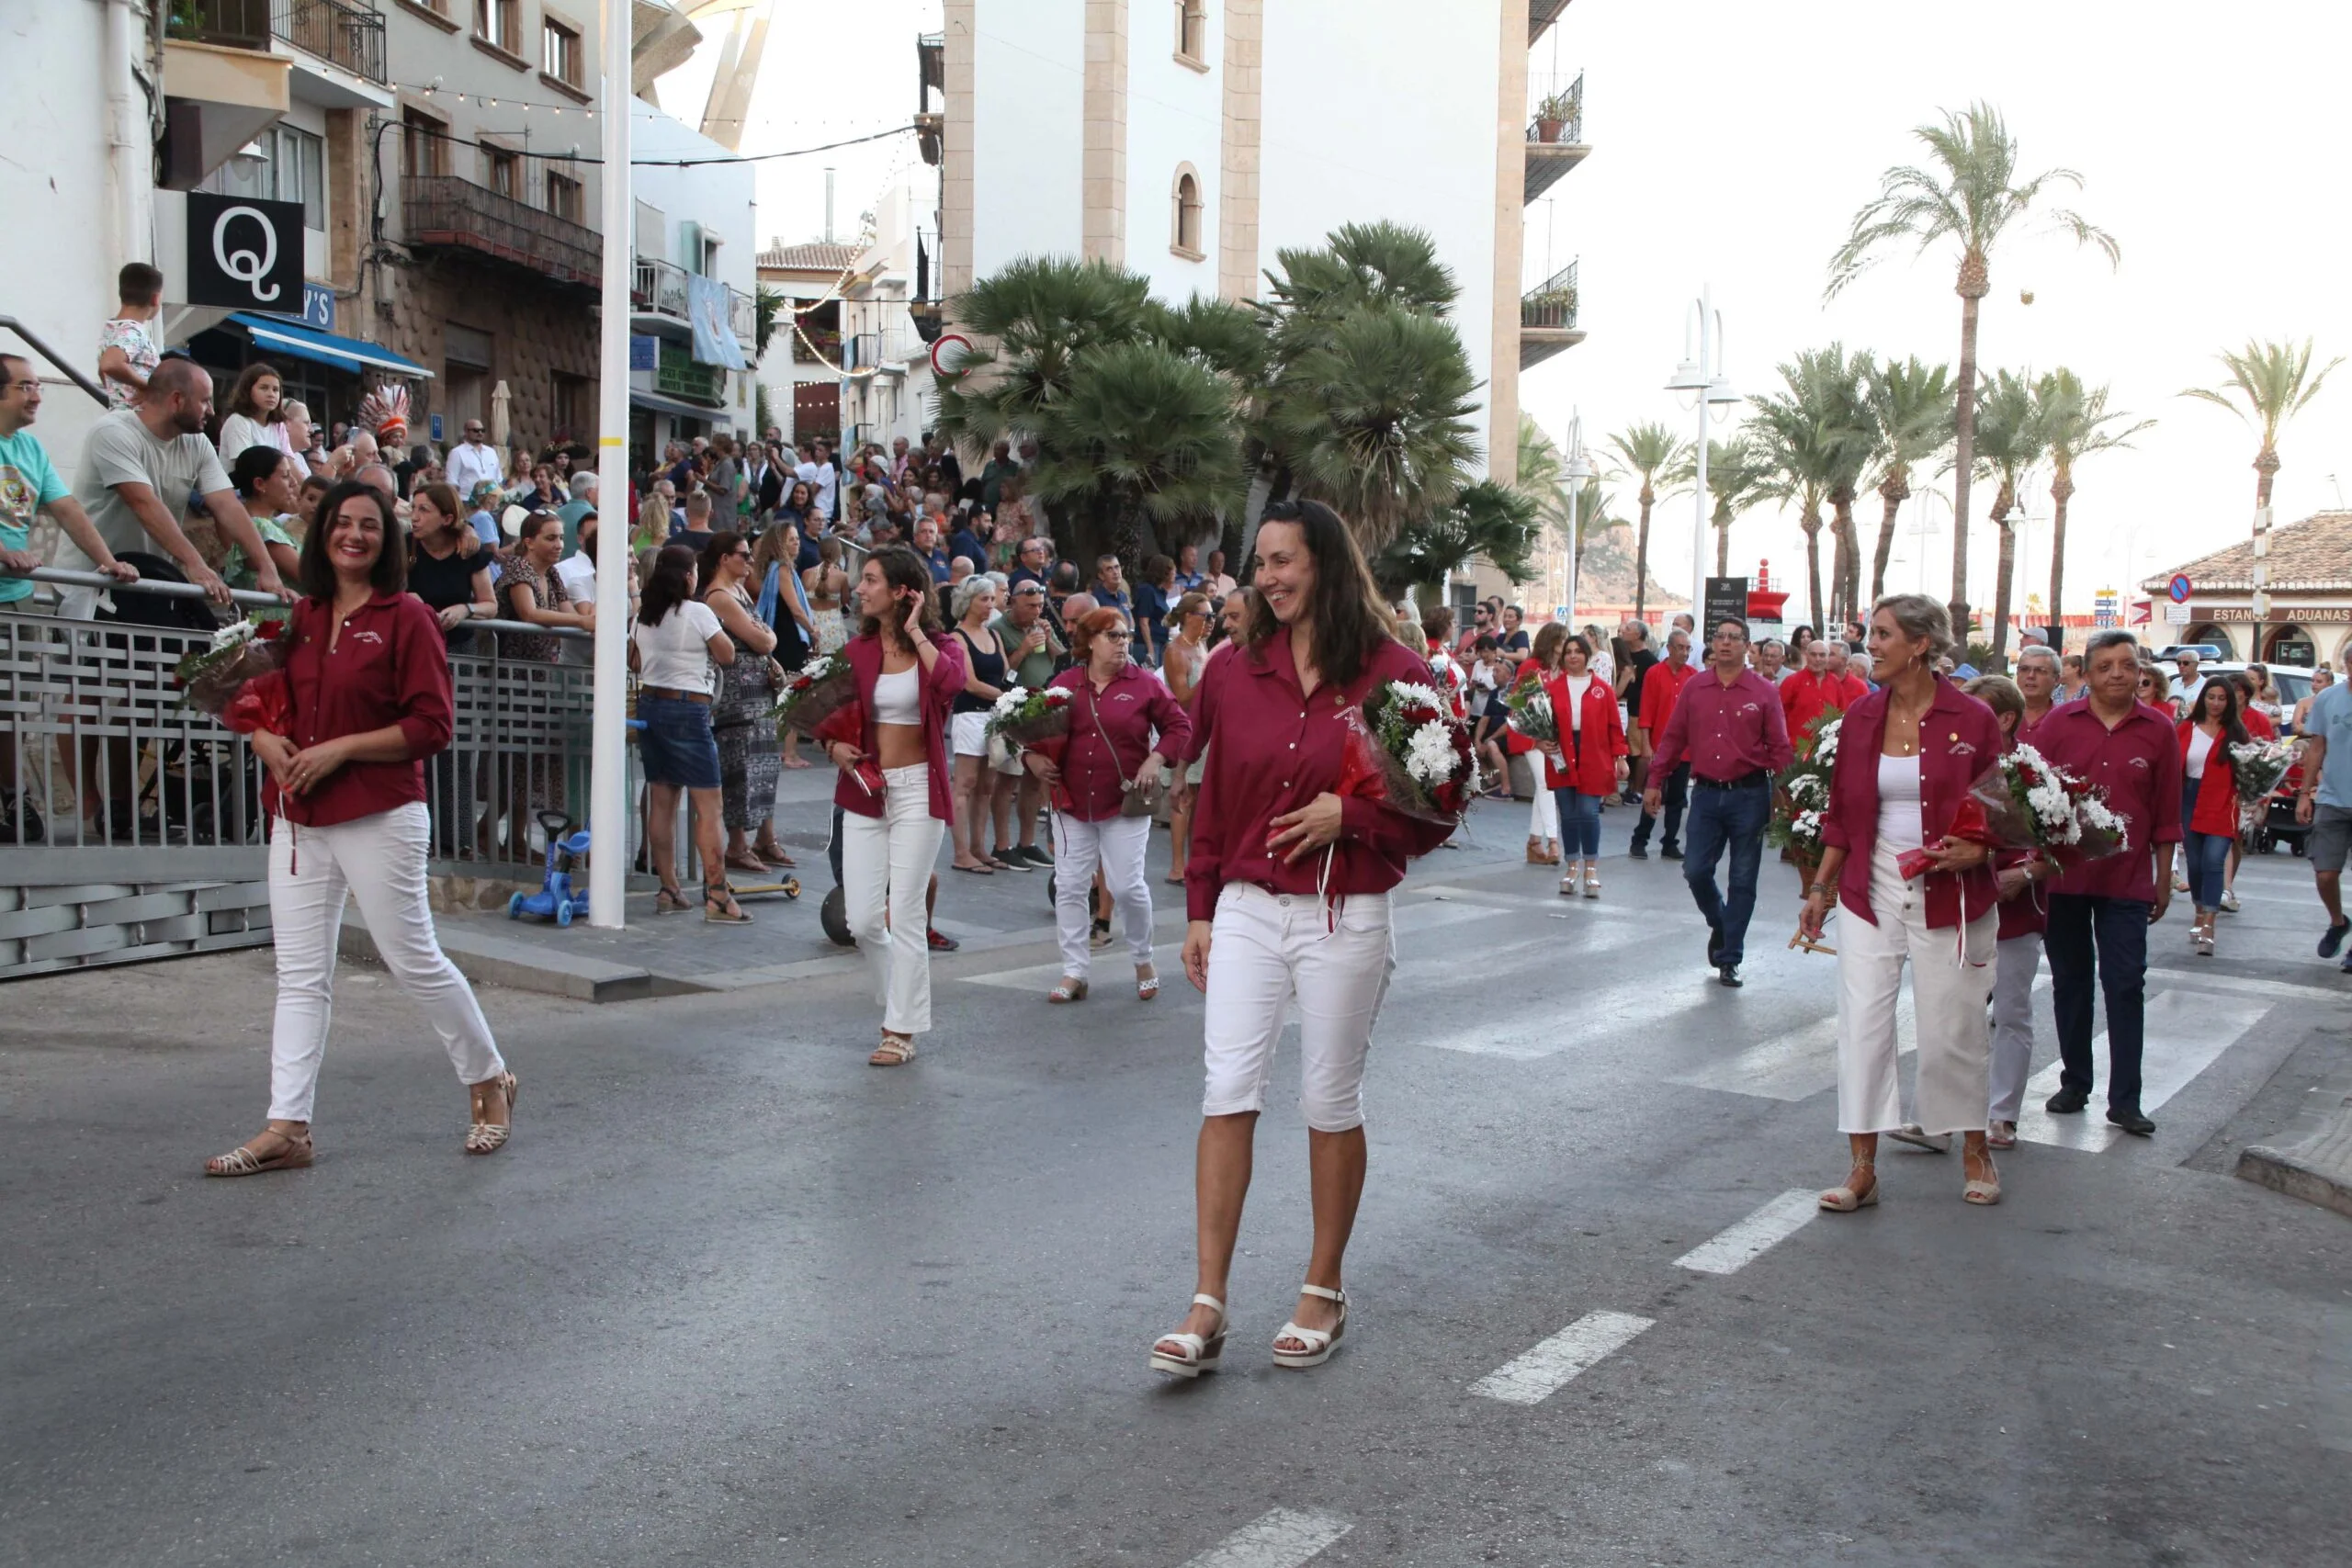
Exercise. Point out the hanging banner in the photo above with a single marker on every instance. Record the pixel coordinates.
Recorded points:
(706, 308)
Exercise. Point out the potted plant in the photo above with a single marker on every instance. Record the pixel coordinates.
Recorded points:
(1552, 116)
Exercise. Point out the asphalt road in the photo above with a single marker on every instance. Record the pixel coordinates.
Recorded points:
(732, 1297)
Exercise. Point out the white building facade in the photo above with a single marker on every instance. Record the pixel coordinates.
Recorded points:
(695, 234)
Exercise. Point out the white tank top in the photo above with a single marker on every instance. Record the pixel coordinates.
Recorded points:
(2201, 747)
(1898, 802)
(897, 699)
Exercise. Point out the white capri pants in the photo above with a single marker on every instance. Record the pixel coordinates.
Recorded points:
(1545, 820)
(378, 860)
(1266, 948)
(2019, 958)
(886, 872)
(1117, 844)
(1948, 990)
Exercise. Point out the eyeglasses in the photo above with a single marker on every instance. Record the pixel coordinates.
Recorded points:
(1114, 636)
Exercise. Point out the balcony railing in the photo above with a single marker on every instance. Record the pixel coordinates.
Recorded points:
(231, 24)
(1551, 306)
(1559, 116)
(676, 375)
(348, 33)
(658, 288)
(743, 316)
(443, 209)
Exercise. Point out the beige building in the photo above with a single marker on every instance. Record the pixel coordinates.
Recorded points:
(2309, 617)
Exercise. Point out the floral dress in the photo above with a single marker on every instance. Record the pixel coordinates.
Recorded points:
(750, 760)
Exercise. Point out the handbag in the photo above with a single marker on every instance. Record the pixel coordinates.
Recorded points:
(1135, 799)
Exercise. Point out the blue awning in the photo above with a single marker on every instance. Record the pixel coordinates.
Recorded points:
(279, 336)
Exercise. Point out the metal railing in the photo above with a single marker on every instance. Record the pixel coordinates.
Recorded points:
(743, 316)
(1560, 114)
(658, 288)
(64, 366)
(231, 24)
(1552, 304)
(131, 825)
(341, 32)
(446, 210)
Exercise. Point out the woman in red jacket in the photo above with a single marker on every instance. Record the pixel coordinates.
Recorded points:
(1589, 765)
(1125, 728)
(908, 676)
(1289, 884)
(366, 682)
(2209, 799)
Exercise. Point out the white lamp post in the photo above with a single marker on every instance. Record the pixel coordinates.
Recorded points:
(1703, 376)
(608, 812)
(1578, 470)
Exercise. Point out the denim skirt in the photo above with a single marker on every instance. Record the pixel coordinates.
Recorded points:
(676, 742)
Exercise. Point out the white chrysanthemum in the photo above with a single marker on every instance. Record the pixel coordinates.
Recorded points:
(1429, 758)
(1010, 698)
(235, 632)
(1824, 747)
(2097, 814)
(1407, 693)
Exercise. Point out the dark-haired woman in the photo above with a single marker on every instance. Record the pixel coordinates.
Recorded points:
(257, 417)
(447, 566)
(368, 686)
(1287, 887)
(532, 590)
(2209, 798)
(269, 482)
(1588, 764)
(750, 761)
(908, 674)
(673, 647)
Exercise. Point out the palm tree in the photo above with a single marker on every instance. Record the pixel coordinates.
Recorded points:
(1972, 195)
(1910, 407)
(1656, 456)
(1835, 386)
(1487, 520)
(1814, 440)
(1032, 320)
(2273, 380)
(1140, 434)
(1738, 476)
(2076, 421)
(2011, 437)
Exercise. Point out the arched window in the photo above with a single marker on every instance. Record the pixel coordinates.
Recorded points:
(1186, 228)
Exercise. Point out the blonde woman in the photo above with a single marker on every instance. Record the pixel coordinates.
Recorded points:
(984, 682)
(1188, 655)
(828, 585)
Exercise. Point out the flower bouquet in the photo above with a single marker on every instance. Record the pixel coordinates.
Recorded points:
(815, 693)
(2026, 802)
(2258, 767)
(1802, 793)
(1531, 712)
(1407, 750)
(1025, 716)
(211, 677)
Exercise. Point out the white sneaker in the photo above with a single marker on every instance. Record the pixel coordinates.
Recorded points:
(2229, 902)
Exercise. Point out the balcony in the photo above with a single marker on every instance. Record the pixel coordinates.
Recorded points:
(345, 33)
(1547, 317)
(1555, 137)
(888, 352)
(1542, 14)
(225, 24)
(677, 375)
(657, 297)
(445, 210)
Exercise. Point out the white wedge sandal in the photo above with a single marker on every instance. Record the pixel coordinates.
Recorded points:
(1200, 1353)
(1320, 1342)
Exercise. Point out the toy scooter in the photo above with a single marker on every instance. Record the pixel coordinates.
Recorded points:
(555, 897)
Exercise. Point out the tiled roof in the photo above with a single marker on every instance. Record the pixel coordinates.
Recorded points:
(817, 256)
(2314, 554)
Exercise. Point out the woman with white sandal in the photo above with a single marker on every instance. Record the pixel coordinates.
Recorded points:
(1125, 728)
(1289, 883)
(1588, 764)
(366, 682)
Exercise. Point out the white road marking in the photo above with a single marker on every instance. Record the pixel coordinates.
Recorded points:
(1797, 1064)
(1749, 1240)
(1532, 1031)
(1111, 963)
(2185, 1031)
(1282, 1539)
(1546, 1370)
(2278, 991)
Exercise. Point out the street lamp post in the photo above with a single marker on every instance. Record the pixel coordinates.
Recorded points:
(1704, 376)
(608, 812)
(1578, 470)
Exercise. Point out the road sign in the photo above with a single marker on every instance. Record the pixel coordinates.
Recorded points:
(2177, 615)
(2179, 587)
(1726, 601)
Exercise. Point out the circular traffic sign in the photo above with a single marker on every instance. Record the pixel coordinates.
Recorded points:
(941, 365)
(2178, 589)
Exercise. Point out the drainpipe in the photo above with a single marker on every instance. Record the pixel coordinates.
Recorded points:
(131, 155)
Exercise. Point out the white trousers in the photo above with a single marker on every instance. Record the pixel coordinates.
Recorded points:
(378, 860)
(1117, 844)
(1545, 823)
(1265, 948)
(885, 871)
(1949, 990)
(2018, 960)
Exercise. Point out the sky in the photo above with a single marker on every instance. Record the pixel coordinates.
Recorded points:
(1732, 144)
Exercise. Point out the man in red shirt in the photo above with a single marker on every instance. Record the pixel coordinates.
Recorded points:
(1727, 737)
(1661, 686)
(2100, 911)
(1821, 685)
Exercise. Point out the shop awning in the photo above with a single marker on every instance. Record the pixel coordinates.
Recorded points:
(657, 403)
(276, 336)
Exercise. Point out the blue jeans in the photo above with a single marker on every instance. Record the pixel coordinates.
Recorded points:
(1580, 823)
(2087, 929)
(1717, 819)
(2207, 856)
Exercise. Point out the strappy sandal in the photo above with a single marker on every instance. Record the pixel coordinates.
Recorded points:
(2001, 1136)
(774, 856)
(489, 1137)
(1146, 987)
(1194, 1353)
(896, 1051)
(1844, 1199)
(1069, 990)
(1983, 1194)
(294, 1152)
(671, 901)
(719, 908)
(747, 863)
(1319, 1342)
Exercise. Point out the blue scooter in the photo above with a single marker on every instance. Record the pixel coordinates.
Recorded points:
(555, 897)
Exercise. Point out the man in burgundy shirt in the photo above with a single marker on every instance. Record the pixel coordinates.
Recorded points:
(2100, 911)
(1662, 684)
(1727, 730)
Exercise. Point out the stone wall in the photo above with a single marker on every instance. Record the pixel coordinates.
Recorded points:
(536, 328)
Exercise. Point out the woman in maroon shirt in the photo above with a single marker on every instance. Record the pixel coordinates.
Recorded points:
(1125, 728)
(367, 681)
(1288, 881)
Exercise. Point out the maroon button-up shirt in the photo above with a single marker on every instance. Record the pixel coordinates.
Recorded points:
(1132, 709)
(1271, 748)
(939, 686)
(1723, 732)
(1959, 739)
(390, 665)
(2138, 764)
